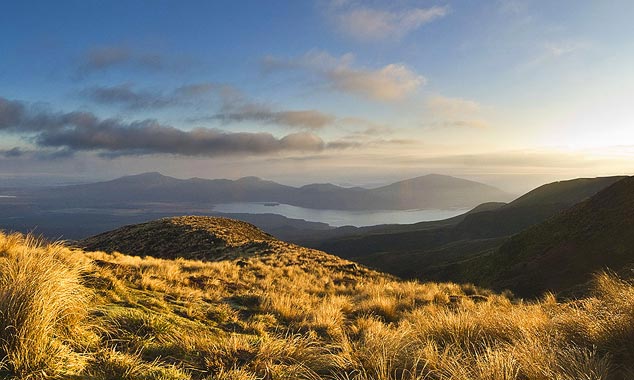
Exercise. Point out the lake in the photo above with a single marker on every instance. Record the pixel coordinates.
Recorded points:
(338, 218)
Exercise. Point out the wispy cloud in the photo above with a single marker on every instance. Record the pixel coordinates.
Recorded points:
(365, 23)
(467, 123)
(103, 58)
(515, 159)
(446, 106)
(447, 112)
(13, 152)
(558, 49)
(391, 82)
(552, 51)
(233, 106)
(236, 108)
(125, 95)
(304, 119)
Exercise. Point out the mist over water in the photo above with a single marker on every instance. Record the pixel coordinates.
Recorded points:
(338, 218)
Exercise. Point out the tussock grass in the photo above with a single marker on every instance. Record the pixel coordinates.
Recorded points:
(290, 314)
(43, 308)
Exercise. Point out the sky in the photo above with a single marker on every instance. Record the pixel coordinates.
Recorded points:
(514, 93)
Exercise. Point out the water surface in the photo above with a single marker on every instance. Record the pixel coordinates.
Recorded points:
(338, 218)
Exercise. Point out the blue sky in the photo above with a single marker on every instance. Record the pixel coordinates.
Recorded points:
(512, 92)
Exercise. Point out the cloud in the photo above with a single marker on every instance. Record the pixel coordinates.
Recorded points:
(343, 144)
(107, 57)
(516, 159)
(41, 155)
(10, 112)
(11, 153)
(82, 131)
(126, 96)
(196, 89)
(391, 82)
(305, 119)
(371, 24)
(439, 104)
(364, 131)
(477, 124)
(104, 57)
(350, 142)
(367, 127)
(553, 51)
(235, 107)
(16, 118)
(561, 48)
(151, 137)
(446, 112)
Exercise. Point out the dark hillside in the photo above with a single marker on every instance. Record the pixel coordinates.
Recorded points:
(564, 251)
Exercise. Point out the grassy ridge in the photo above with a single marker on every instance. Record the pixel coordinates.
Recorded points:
(563, 252)
(437, 251)
(289, 313)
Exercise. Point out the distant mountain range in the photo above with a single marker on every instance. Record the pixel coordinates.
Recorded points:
(427, 192)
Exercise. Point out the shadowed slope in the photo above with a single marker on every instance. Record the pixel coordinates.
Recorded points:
(564, 251)
(438, 253)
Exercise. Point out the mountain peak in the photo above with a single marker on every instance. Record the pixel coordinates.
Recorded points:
(147, 175)
(249, 179)
(320, 186)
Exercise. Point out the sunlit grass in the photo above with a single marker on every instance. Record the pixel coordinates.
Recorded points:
(95, 315)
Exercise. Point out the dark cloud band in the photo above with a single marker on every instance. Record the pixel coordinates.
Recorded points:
(82, 131)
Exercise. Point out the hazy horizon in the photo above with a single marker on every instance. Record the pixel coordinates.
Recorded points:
(509, 187)
(512, 93)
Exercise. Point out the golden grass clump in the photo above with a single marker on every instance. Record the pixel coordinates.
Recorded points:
(43, 308)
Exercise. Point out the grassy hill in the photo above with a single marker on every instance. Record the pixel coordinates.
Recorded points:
(281, 312)
(565, 250)
(436, 249)
(190, 237)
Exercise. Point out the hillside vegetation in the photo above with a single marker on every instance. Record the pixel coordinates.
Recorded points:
(564, 251)
(438, 250)
(284, 312)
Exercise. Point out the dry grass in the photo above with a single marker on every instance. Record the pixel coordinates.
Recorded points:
(294, 314)
(42, 308)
